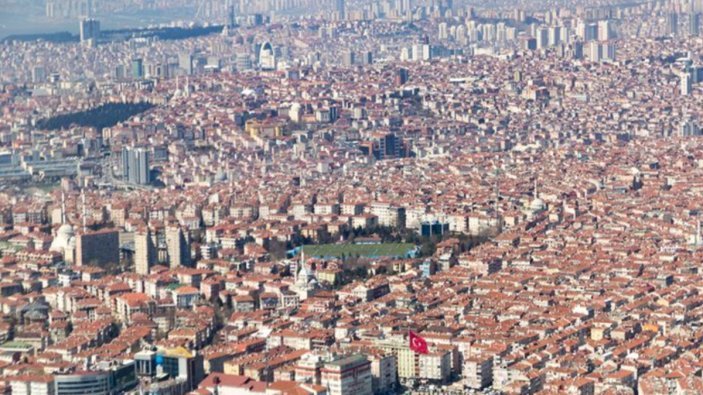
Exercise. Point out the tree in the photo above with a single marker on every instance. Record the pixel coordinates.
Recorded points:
(361, 272)
(277, 249)
(106, 115)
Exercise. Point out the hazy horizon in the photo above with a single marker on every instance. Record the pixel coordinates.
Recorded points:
(34, 21)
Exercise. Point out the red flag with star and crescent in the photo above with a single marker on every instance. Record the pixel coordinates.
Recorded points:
(417, 343)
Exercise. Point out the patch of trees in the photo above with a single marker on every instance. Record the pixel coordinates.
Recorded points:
(60, 37)
(106, 115)
(165, 33)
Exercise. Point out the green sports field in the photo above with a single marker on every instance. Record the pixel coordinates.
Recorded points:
(363, 250)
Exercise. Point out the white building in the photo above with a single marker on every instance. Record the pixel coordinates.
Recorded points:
(348, 376)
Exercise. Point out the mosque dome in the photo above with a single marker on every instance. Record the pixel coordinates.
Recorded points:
(537, 205)
(303, 276)
(36, 311)
(65, 237)
(220, 176)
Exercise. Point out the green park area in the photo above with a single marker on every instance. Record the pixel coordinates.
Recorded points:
(401, 250)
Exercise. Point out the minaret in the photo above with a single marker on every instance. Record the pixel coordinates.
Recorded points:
(302, 257)
(496, 190)
(85, 220)
(536, 190)
(295, 267)
(498, 219)
(63, 207)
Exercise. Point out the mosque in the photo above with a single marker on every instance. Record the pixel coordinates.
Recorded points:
(305, 282)
(65, 240)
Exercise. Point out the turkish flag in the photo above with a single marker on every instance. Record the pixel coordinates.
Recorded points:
(417, 344)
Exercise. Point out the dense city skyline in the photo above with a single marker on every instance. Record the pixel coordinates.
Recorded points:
(286, 197)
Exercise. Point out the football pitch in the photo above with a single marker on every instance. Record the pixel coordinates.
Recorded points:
(399, 250)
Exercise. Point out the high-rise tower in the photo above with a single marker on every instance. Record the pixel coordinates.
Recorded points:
(135, 165)
(340, 7)
(178, 249)
(144, 251)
